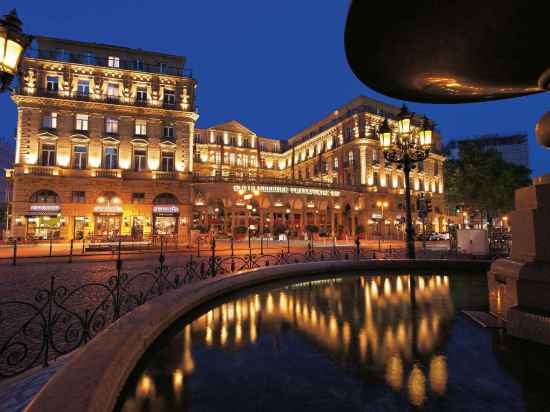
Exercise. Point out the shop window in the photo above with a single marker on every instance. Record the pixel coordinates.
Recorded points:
(80, 154)
(81, 122)
(140, 158)
(169, 97)
(140, 128)
(168, 132)
(167, 161)
(138, 197)
(111, 125)
(47, 155)
(113, 61)
(110, 157)
(83, 88)
(79, 197)
(49, 120)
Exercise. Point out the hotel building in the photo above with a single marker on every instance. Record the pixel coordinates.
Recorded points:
(107, 146)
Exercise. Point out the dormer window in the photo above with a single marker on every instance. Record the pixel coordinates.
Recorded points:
(89, 58)
(163, 68)
(139, 64)
(113, 61)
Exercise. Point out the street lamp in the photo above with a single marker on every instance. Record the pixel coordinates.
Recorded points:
(406, 147)
(13, 43)
(381, 205)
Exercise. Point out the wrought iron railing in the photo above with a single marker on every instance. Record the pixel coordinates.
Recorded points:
(60, 319)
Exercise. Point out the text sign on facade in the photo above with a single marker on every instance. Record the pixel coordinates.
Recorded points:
(108, 209)
(169, 209)
(287, 189)
(45, 208)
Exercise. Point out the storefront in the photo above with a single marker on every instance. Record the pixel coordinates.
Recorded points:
(165, 219)
(44, 221)
(80, 227)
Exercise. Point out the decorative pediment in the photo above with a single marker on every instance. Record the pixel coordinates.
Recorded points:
(110, 140)
(168, 144)
(47, 136)
(80, 138)
(139, 142)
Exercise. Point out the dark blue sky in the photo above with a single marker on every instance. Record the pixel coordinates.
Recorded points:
(276, 66)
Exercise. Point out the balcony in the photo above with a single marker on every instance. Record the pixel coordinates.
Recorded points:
(98, 98)
(162, 175)
(107, 173)
(41, 170)
(93, 60)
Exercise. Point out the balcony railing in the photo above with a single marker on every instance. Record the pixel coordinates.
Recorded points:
(109, 173)
(93, 60)
(99, 98)
(42, 170)
(162, 175)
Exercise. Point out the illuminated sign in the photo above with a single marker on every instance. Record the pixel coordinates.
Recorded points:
(377, 215)
(168, 209)
(287, 189)
(45, 208)
(108, 209)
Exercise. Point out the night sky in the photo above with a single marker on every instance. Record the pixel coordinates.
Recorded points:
(275, 66)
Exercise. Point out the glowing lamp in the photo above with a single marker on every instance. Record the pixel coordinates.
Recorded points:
(385, 135)
(404, 118)
(426, 133)
(256, 192)
(13, 43)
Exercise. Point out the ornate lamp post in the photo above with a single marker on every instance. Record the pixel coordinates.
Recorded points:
(13, 43)
(406, 147)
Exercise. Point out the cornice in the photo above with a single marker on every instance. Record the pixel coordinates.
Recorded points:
(66, 104)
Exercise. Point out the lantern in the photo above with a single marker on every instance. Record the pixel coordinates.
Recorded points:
(426, 134)
(13, 43)
(385, 135)
(404, 118)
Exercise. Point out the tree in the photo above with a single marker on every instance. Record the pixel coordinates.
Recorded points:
(482, 180)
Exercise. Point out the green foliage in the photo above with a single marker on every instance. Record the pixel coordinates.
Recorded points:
(482, 180)
(279, 229)
(359, 229)
(312, 229)
(200, 228)
(240, 230)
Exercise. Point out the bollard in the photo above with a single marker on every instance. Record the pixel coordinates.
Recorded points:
(51, 246)
(71, 252)
(198, 246)
(83, 247)
(14, 259)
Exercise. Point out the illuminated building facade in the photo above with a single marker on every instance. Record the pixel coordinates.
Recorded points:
(107, 146)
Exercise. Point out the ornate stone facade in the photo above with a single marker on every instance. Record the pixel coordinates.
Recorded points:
(107, 146)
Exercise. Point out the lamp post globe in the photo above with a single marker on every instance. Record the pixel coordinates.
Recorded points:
(13, 43)
(406, 146)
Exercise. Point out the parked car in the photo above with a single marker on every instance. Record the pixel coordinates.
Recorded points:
(439, 236)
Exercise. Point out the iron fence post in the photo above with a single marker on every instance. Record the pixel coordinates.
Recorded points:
(71, 252)
(83, 247)
(51, 246)
(213, 258)
(262, 244)
(14, 259)
(48, 326)
(198, 246)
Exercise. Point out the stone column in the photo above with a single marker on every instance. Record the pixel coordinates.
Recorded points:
(363, 163)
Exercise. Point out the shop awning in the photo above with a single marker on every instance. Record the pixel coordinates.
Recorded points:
(41, 213)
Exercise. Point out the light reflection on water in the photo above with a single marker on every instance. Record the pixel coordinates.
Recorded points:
(364, 325)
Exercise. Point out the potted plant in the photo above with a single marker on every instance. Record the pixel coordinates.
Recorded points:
(312, 230)
(360, 231)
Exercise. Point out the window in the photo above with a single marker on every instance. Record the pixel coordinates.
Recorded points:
(81, 122)
(349, 133)
(89, 58)
(79, 197)
(139, 64)
(62, 55)
(83, 88)
(246, 142)
(375, 156)
(52, 84)
(335, 163)
(138, 197)
(140, 128)
(169, 132)
(436, 168)
(233, 140)
(140, 157)
(112, 92)
(376, 179)
(169, 97)
(219, 139)
(48, 155)
(110, 157)
(198, 138)
(388, 179)
(162, 68)
(111, 125)
(79, 157)
(350, 158)
(421, 184)
(141, 94)
(420, 166)
(113, 61)
(49, 120)
(167, 162)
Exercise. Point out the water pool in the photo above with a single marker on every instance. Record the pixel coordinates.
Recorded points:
(341, 343)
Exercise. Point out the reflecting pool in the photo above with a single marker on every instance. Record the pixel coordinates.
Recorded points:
(345, 343)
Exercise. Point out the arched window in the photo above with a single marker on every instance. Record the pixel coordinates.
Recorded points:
(165, 199)
(44, 196)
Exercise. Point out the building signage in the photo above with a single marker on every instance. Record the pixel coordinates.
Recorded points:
(45, 208)
(377, 215)
(108, 209)
(287, 189)
(168, 209)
